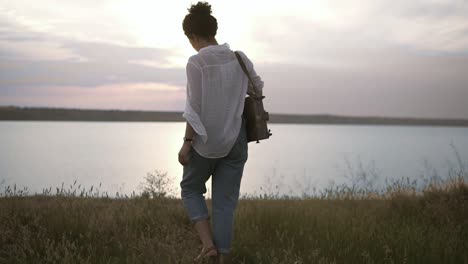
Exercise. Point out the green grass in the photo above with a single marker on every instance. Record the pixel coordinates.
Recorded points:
(344, 226)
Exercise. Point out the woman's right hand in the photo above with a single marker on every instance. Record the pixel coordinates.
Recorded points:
(184, 153)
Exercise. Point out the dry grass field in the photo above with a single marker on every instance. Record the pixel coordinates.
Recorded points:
(400, 225)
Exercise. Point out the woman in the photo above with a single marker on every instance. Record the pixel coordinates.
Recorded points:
(215, 142)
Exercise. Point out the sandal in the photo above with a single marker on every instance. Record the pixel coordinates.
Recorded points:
(203, 255)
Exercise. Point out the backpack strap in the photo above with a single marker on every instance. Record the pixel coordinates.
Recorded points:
(244, 68)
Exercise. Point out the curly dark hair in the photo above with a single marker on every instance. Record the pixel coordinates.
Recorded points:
(199, 21)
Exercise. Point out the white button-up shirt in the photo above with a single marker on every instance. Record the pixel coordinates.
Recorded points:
(216, 89)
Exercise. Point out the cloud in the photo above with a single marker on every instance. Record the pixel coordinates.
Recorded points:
(87, 74)
(111, 53)
(132, 96)
(91, 21)
(31, 59)
(39, 68)
(341, 33)
(367, 57)
(34, 50)
(376, 58)
(433, 88)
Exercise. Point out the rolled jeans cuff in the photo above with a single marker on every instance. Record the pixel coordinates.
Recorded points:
(199, 218)
(224, 250)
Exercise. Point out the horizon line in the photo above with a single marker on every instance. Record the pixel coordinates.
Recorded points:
(271, 113)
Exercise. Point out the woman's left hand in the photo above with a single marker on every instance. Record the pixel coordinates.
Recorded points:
(184, 153)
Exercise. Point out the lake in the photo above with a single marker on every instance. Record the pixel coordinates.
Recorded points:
(296, 159)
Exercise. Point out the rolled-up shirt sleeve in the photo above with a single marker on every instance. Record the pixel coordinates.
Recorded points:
(192, 111)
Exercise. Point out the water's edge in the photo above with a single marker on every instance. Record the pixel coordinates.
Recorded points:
(11, 113)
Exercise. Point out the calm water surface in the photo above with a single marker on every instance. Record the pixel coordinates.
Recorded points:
(42, 154)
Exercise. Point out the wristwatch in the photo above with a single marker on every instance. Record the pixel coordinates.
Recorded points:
(187, 139)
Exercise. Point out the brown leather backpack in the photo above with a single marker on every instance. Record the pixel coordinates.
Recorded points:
(254, 113)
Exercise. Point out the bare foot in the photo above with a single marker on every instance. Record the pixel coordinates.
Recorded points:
(207, 252)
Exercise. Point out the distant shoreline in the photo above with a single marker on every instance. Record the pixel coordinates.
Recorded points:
(11, 113)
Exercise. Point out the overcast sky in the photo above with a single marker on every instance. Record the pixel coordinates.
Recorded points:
(360, 58)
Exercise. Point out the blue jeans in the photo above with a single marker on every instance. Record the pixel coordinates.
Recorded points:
(226, 175)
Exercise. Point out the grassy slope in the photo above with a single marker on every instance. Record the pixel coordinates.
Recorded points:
(432, 228)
